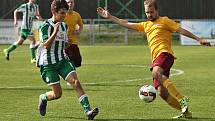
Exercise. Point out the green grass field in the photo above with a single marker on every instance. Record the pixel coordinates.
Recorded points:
(111, 76)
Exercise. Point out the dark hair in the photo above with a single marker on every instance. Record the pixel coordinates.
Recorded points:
(151, 3)
(59, 4)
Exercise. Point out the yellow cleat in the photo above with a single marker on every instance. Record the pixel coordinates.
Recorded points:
(186, 115)
(6, 54)
(33, 60)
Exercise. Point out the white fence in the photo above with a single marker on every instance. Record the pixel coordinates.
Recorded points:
(103, 31)
(95, 32)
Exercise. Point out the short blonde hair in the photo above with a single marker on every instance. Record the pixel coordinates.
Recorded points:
(151, 3)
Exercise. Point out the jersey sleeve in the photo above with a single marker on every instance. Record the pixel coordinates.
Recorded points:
(80, 22)
(140, 27)
(44, 32)
(171, 24)
(21, 8)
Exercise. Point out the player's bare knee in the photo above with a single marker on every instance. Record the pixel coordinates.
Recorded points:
(19, 42)
(58, 94)
(71, 81)
(156, 75)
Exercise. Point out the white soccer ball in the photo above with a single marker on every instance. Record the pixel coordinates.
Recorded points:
(147, 93)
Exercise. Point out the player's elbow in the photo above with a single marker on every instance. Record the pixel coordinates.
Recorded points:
(15, 11)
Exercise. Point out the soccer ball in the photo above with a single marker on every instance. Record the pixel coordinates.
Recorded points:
(147, 93)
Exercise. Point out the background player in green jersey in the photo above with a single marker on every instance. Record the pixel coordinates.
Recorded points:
(53, 62)
(29, 10)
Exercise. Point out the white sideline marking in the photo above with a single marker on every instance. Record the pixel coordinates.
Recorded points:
(177, 72)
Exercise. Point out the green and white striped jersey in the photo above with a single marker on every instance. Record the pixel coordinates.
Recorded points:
(57, 51)
(29, 11)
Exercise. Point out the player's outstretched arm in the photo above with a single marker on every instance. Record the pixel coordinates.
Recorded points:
(15, 18)
(105, 14)
(190, 35)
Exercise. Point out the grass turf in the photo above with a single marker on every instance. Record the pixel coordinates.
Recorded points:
(111, 76)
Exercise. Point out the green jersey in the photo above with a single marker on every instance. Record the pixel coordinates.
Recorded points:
(29, 11)
(56, 52)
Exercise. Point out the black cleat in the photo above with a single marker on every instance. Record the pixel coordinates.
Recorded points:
(92, 113)
(42, 106)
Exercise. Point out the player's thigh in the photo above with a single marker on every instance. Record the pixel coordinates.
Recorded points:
(164, 61)
(49, 75)
(66, 69)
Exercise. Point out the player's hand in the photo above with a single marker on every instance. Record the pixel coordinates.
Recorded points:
(103, 12)
(76, 32)
(204, 42)
(56, 27)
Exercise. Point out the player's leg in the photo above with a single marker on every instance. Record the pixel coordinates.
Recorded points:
(83, 98)
(158, 75)
(169, 99)
(51, 78)
(172, 101)
(68, 73)
(160, 72)
(12, 47)
(22, 38)
(32, 47)
(48, 96)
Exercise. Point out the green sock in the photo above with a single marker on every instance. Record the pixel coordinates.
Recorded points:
(44, 97)
(85, 103)
(32, 52)
(11, 48)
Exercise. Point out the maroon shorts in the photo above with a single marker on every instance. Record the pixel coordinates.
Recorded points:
(165, 61)
(74, 55)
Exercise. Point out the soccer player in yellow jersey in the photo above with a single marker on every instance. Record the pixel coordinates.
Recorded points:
(158, 31)
(75, 25)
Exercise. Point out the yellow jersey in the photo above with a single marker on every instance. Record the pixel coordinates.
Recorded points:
(159, 35)
(73, 20)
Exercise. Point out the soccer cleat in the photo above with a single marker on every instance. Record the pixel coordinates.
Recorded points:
(184, 104)
(33, 60)
(186, 115)
(42, 106)
(92, 113)
(6, 54)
